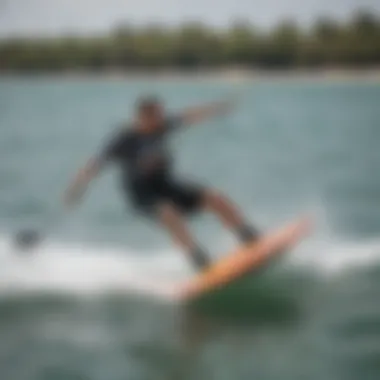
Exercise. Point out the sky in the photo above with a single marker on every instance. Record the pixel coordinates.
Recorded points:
(54, 17)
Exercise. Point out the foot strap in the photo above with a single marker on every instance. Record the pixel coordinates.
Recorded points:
(248, 234)
(200, 259)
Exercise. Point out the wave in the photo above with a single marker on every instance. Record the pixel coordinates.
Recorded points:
(83, 269)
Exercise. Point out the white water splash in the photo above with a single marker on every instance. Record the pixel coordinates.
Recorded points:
(84, 269)
(332, 257)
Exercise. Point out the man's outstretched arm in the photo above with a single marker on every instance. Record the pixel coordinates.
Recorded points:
(93, 167)
(81, 181)
(204, 112)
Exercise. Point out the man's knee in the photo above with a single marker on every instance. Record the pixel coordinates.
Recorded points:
(167, 212)
(214, 200)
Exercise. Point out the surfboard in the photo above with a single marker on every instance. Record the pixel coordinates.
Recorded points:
(245, 259)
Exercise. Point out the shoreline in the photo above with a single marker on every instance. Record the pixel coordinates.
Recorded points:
(228, 75)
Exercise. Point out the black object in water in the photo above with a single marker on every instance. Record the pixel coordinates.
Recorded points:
(27, 239)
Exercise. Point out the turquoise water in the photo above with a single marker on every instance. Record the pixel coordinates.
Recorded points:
(93, 302)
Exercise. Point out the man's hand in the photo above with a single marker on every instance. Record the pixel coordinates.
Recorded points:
(201, 113)
(72, 195)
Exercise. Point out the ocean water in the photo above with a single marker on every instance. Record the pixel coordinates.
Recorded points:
(93, 302)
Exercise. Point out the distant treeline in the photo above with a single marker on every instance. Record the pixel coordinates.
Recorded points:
(355, 43)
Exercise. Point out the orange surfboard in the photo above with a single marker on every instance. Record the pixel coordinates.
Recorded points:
(245, 259)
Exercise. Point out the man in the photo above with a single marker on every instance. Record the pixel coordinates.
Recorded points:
(140, 151)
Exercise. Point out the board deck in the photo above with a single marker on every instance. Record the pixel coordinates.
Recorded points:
(245, 259)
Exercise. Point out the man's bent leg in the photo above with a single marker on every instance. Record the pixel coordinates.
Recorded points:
(173, 221)
(230, 216)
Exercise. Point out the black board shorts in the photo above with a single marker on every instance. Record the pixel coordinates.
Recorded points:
(148, 195)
